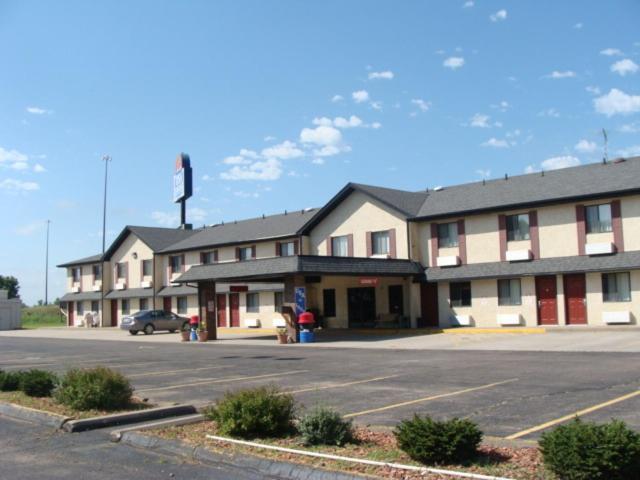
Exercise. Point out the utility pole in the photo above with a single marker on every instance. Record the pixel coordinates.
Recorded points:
(106, 159)
(46, 268)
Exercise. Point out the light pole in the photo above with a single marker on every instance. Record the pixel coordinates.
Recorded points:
(46, 268)
(106, 159)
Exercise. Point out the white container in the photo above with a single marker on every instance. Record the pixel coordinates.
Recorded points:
(120, 286)
(519, 255)
(599, 248)
(616, 317)
(448, 261)
(509, 319)
(463, 320)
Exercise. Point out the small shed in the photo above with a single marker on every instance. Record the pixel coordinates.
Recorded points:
(10, 309)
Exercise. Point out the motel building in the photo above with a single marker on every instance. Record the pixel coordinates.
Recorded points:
(557, 248)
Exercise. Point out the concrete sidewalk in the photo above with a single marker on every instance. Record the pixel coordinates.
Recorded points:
(554, 340)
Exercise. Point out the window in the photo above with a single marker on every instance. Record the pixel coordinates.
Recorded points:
(287, 249)
(245, 253)
(175, 264)
(380, 243)
(80, 308)
(518, 227)
(146, 268)
(121, 270)
(182, 304)
(144, 304)
(208, 258)
(447, 235)
(340, 246)
(598, 218)
(76, 273)
(460, 294)
(253, 302)
(95, 306)
(124, 306)
(278, 301)
(97, 273)
(616, 287)
(509, 292)
(329, 302)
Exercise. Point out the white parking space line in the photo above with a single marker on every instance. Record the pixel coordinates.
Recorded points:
(340, 385)
(169, 372)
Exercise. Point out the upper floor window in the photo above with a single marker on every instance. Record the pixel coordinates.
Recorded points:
(598, 218)
(340, 246)
(253, 302)
(121, 270)
(287, 249)
(97, 272)
(146, 269)
(509, 292)
(175, 263)
(245, 253)
(448, 235)
(460, 294)
(76, 273)
(518, 227)
(380, 243)
(616, 287)
(207, 258)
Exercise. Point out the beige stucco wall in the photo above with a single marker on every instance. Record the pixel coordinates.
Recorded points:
(356, 215)
(86, 282)
(596, 306)
(630, 208)
(131, 245)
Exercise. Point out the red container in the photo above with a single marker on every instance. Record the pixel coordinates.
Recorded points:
(306, 318)
(194, 320)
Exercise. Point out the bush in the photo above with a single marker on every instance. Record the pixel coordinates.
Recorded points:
(10, 381)
(583, 450)
(97, 388)
(324, 426)
(433, 442)
(38, 383)
(256, 412)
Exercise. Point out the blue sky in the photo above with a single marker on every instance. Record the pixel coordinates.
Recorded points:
(280, 103)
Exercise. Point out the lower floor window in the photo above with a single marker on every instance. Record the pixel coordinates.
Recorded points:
(144, 304)
(253, 303)
(182, 304)
(124, 306)
(460, 294)
(80, 308)
(278, 301)
(509, 292)
(95, 306)
(616, 287)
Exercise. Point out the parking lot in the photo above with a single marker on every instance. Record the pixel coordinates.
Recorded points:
(511, 394)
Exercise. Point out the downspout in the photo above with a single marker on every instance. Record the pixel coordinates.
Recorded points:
(155, 285)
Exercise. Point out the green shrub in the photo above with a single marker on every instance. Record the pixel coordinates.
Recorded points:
(433, 442)
(97, 388)
(256, 412)
(584, 450)
(10, 381)
(323, 426)
(38, 383)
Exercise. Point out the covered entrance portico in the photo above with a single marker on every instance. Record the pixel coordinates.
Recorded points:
(343, 292)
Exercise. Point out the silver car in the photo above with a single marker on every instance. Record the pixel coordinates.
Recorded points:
(148, 321)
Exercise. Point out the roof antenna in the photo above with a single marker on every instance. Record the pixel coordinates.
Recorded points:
(263, 215)
(285, 212)
(506, 176)
(484, 182)
(605, 158)
(542, 173)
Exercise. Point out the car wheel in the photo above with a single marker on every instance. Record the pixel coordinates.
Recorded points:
(133, 332)
(148, 329)
(172, 330)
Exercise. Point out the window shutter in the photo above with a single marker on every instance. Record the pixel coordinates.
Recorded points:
(237, 254)
(434, 244)
(278, 251)
(392, 243)
(126, 274)
(329, 247)
(534, 234)
(215, 256)
(350, 245)
(502, 229)
(141, 270)
(582, 229)
(616, 225)
(253, 251)
(296, 247)
(169, 272)
(182, 266)
(462, 243)
(369, 248)
(202, 258)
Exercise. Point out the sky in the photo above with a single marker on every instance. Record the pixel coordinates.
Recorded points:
(280, 103)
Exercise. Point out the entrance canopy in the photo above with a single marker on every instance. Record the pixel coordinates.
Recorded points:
(276, 269)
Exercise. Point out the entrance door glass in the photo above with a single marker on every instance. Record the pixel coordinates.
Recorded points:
(362, 307)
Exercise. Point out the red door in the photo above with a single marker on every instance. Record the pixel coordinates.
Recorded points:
(221, 309)
(546, 292)
(166, 304)
(70, 316)
(114, 313)
(429, 305)
(575, 299)
(234, 303)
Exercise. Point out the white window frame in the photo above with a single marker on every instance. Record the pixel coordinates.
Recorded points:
(340, 246)
(451, 239)
(621, 280)
(514, 286)
(598, 225)
(253, 308)
(380, 243)
(519, 233)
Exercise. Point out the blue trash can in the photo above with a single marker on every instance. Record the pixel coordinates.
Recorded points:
(306, 336)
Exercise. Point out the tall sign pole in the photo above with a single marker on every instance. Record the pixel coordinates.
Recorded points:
(46, 268)
(183, 187)
(106, 159)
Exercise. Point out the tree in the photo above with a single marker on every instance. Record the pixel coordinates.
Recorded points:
(9, 283)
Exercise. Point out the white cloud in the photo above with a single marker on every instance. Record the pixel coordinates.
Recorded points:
(322, 135)
(585, 146)
(495, 143)
(339, 122)
(236, 160)
(630, 128)
(330, 150)
(617, 102)
(243, 194)
(30, 228)
(337, 98)
(611, 52)
(453, 63)
(376, 125)
(284, 151)
(563, 161)
(270, 169)
(39, 168)
(483, 173)
(249, 153)
(556, 74)
(360, 96)
(12, 156)
(593, 90)
(578, 25)
(386, 75)
(503, 106)
(549, 112)
(468, 4)
(19, 166)
(423, 105)
(498, 16)
(196, 214)
(377, 105)
(269, 138)
(632, 151)
(318, 161)
(18, 185)
(530, 169)
(166, 219)
(39, 111)
(624, 67)
(479, 121)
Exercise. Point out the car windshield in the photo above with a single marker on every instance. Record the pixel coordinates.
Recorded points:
(140, 314)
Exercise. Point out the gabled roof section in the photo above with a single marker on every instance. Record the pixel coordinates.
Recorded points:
(82, 261)
(618, 177)
(406, 203)
(156, 238)
(244, 231)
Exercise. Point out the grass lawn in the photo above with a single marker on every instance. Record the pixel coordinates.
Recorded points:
(41, 317)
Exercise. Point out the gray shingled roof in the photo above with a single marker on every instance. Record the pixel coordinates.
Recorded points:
(130, 293)
(82, 261)
(177, 291)
(78, 297)
(408, 203)
(584, 181)
(576, 264)
(301, 264)
(157, 238)
(220, 288)
(243, 231)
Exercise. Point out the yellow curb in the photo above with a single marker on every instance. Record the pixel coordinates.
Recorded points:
(476, 331)
(246, 331)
